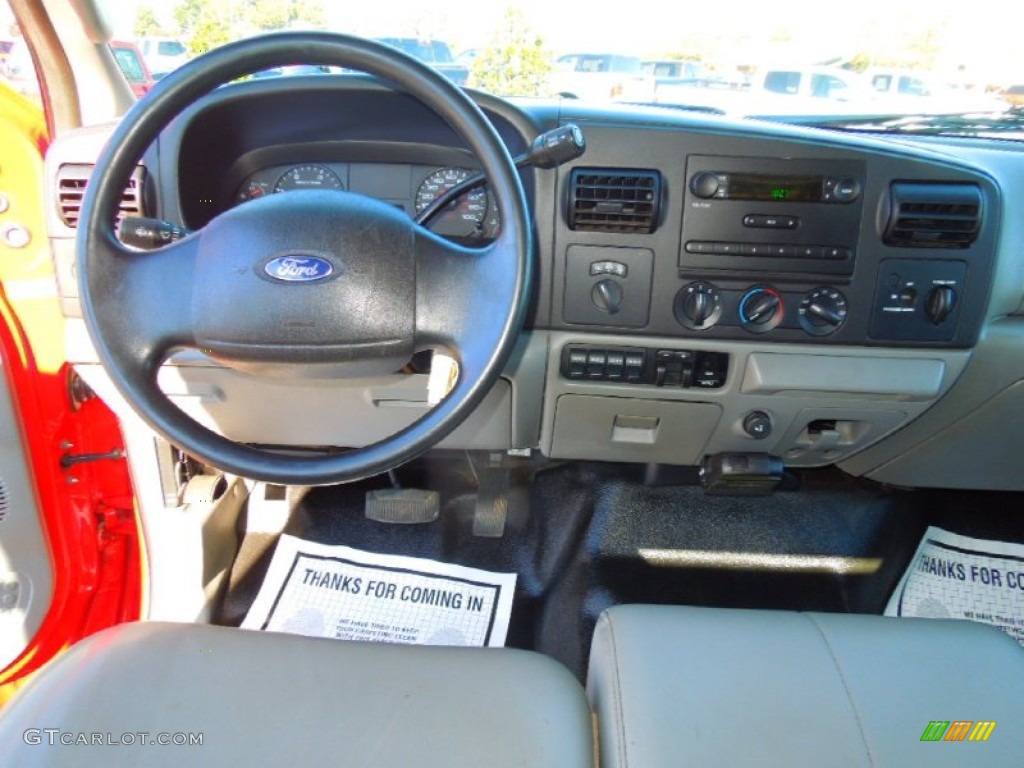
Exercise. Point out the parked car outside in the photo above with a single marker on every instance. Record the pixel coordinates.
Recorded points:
(436, 53)
(602, 77)
(5, 50)
(1014, 95)
(912, 90)
(673, 70)
(19, 71)
(162, 54)
(813, 89)
(129, 59)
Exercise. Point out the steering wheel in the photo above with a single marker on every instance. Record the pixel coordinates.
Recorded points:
(324, 284)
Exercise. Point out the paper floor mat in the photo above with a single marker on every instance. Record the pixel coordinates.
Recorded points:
(959, 577)
(344, 593)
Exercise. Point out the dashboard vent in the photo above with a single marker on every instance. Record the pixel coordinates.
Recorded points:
(614, 200)
(71, 183)
(933, 215)
(3, 500)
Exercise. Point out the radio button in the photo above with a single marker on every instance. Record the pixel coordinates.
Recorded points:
(784, 251)
(846, 190)
(835, 252)
(699, 246)
(727, 249)
(808, 251)
(767, 221)
(708, 185)
(755, 249)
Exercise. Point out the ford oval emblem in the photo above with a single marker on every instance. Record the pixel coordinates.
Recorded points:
(298, 269)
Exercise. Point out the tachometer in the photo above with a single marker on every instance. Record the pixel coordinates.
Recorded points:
(308, 177)
(465, 215)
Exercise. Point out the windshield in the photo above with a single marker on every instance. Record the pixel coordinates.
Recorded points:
(739, 57)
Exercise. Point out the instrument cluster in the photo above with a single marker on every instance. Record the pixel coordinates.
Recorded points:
(473, 216)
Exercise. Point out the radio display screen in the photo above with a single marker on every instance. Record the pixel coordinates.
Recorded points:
(782, 189)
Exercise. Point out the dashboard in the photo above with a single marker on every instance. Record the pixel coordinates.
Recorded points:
(704, 285)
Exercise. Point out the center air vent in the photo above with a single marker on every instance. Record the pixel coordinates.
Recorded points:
(933, 215)
(71, 182)
(614, 200)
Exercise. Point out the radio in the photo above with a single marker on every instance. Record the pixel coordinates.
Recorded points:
(764, 187)
(771, 214)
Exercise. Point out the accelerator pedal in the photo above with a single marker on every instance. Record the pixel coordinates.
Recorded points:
(403, 506)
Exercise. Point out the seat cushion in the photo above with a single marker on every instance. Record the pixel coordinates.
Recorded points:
(261, 698)
(677, 686)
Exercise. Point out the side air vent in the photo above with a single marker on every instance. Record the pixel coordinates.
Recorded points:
(71, 183)
(933, 215)
(614, 200)
(3, 500)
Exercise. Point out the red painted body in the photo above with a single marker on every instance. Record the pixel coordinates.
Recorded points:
(87, 509)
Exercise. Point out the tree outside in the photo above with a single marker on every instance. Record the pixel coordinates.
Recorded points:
(202, 25)
(515, 62)
(147, 24)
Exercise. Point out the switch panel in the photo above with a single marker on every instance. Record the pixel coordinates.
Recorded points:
(638, 365)
(608, 286)
(918, 299)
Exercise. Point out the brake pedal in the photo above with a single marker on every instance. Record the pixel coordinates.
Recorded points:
(403, 506)
(491, 511)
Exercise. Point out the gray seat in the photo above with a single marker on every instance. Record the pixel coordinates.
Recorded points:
(265, 699)
(678, 686)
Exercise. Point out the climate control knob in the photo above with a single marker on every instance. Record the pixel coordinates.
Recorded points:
(761, 309)
(822, 311)
(698, 306)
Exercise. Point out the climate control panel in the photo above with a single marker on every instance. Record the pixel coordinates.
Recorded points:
(761, 308)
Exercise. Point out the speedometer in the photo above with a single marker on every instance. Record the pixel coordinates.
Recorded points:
(465, 215)
(308, 177)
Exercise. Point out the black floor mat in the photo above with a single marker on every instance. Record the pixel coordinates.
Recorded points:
(981, 514)
(579, 537)
(538, 547)
(673, 545)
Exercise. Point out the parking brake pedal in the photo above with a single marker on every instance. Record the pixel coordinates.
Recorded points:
(403, 506)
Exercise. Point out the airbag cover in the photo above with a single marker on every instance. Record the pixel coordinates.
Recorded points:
(315, 277)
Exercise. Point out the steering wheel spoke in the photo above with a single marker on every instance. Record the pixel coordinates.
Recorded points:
(463, 296)
(143, 299)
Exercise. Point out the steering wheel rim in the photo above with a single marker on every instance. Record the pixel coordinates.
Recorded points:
(470, 301)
